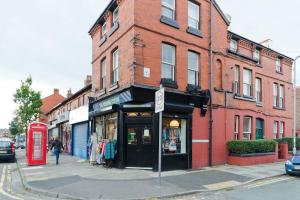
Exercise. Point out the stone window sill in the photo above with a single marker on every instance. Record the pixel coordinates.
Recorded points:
(194, 31)
(277, 108)
(114, 86)
(279, 72)
(102, 92)
(169, 21)
(244, 98)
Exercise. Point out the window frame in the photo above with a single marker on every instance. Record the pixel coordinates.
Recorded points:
(281, 129)
(278, 65)
(237, 79)
(103, 75)
(115, 19)
(172, 9)
(250, 128)
(256, 55)
(258, 90)
(197, 20)
(103, 33)
(115, 67)
(236, 127)
(281, 96)
(275, 129)
(172, 65)
(233, 45)
(275, 95)
(246, 84)
(197, 67)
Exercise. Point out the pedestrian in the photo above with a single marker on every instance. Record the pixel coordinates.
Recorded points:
(50, 143)
(58, 147)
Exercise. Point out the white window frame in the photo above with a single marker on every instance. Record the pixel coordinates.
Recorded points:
(194, 68)
(236, 79)
(171, 8)
(275, 94)
(236, 127)
(256, 55)
(275, 129)
(103, 74)
(173, 62)
(258, 92)
(281, 96)
(278, 65)
(281, 129)
(196, 20)
(247, 84)
(233, 45)
(103, 30)
(249, 131)
(115, 16)
(115, 67)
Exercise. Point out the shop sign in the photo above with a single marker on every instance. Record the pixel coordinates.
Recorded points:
(116, 99)
(63, 117)
(160, 100)
(80, 114)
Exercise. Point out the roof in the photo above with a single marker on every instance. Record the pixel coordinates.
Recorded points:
(113, 3)
(79, 92)
(259, 45)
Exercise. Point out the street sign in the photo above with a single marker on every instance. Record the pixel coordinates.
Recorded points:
(160, 100)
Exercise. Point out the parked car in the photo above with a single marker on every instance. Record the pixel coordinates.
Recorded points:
(7, 149)
(292, 165)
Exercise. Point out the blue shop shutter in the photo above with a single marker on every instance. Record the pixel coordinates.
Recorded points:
(80, 140)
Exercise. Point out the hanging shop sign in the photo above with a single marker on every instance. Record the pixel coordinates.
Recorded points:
(80, 114)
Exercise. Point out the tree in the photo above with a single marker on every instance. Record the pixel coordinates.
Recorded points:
(29, 104)
(14, 126)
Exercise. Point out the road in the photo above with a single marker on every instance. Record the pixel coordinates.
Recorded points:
(11, 187)
(277, 188)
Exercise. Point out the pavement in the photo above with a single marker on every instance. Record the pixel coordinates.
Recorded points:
(77, 179)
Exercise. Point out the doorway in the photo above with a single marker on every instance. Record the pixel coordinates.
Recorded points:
(139, 145)
(259, 129)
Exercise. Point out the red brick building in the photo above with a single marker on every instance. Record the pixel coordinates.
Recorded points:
(49, 102)
(61, 118)
(135, 50)
(298, 110)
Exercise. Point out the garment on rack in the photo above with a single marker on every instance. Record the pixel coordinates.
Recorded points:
(110, 151)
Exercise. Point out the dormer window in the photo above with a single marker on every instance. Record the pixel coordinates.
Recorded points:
(103, 31)
(233, 45)
(256, 55)
(115, 16)
(278, 65)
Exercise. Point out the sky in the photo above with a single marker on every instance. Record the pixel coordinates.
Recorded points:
(48, 39)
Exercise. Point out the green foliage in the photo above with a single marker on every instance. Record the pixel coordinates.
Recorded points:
(14, 126)
(29, 104)
(254, 146)
(290, 142)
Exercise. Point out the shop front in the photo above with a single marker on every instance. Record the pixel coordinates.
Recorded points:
(127, 119)
(64, 130)
(79, 121)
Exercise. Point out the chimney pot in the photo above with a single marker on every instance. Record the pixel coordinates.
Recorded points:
(56, 91)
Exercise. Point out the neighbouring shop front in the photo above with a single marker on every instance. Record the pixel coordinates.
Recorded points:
(64, 130)
(79, 121)
(53, 131)
(127, 120)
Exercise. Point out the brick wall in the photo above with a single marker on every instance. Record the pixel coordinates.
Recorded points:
(298, 110)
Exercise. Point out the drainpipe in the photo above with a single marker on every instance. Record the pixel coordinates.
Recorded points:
(210, 83)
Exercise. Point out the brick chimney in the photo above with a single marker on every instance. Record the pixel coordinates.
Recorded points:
(69, 93)
(88, 80)
(56, 91)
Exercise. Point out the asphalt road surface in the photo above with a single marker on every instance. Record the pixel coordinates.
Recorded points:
(278, 188)
(11, 187)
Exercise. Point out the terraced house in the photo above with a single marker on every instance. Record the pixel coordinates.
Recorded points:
(234, 89)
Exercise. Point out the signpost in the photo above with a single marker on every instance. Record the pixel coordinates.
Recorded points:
(159, 108)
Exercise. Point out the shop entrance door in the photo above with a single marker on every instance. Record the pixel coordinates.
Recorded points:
(139, 146)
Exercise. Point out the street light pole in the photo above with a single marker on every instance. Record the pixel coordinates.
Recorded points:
(294, 113)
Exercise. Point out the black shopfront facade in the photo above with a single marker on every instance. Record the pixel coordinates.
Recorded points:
(128, 117)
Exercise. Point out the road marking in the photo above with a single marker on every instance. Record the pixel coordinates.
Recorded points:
(2, 191)
(267, 182)
(222, 185)
(32, 168)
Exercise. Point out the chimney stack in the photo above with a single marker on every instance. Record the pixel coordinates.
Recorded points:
(56, 91)
(69, 93)
(88, 80)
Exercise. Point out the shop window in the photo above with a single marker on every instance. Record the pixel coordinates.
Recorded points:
(138, 114)
(107, 127)
(174, 136)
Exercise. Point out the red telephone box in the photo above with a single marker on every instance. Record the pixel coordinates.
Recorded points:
(36, 143)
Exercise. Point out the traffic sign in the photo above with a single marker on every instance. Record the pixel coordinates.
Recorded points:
(160, 100)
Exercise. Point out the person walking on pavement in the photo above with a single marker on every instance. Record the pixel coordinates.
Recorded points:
(58, 147)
